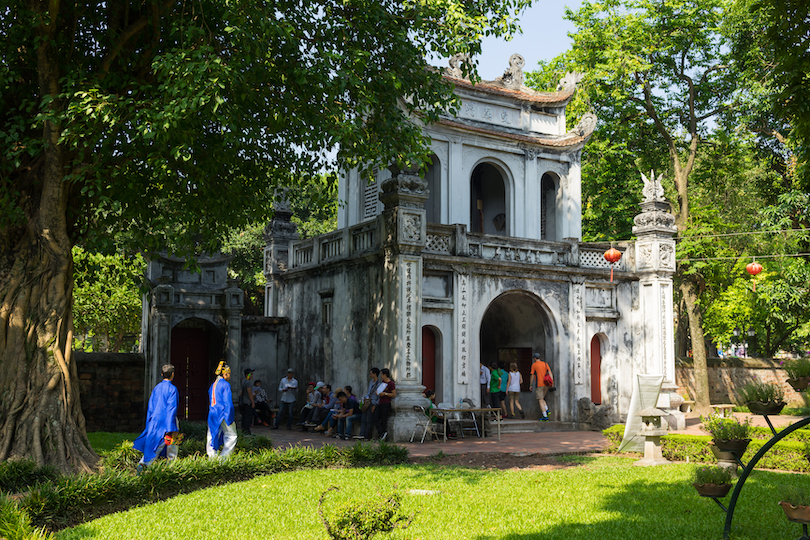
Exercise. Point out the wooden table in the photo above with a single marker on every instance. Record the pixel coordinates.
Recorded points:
(445, 413)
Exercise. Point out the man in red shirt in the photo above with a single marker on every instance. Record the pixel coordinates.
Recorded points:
(538, 384)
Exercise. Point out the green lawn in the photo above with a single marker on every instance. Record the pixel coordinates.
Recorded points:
(104, 441)
(605, 498)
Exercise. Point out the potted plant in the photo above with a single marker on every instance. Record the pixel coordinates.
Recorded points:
(798, 371)
(712, 481)
(729, 434)
(763, 398)
(796, 504)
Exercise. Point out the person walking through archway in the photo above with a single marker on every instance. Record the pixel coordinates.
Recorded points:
(540, 385)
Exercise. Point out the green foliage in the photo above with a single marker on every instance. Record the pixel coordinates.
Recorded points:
(726, 427)
(363, 520)
(787, 455)
(15, 524)
(762, 391)
(74, 498)
(711, 475)
(17, 475)
(106, 300)
(797, 367)
(196, 431)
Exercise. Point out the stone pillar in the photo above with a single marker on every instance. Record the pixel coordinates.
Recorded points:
(404, 230)
(655, 263)
(278, 235)
(234, 302)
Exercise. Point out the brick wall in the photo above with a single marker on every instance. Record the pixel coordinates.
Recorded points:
(112, 391)
(728, 375)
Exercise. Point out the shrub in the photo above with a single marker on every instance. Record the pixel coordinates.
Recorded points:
(711, 475)
(364, 519)
(762, 391)
(726, 428)
(797, 367)
(795, 495)
(15, 523)
(193, 430)
(18, 475)
(77, 497)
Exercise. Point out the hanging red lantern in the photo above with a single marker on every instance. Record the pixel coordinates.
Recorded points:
(612, 256)
(754, 268)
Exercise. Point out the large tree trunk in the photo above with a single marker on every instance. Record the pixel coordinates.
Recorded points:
(40, 407)
(690, 296)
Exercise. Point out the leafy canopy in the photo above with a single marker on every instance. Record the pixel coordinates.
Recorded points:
(177, 120)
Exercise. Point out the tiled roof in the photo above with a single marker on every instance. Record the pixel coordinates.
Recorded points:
(524, 94)
(569, 140)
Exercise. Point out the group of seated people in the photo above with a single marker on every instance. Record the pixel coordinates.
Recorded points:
(333, 413)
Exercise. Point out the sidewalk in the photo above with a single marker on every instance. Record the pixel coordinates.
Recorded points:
(547, 442)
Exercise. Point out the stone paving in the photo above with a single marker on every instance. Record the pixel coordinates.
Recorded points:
(546, 442)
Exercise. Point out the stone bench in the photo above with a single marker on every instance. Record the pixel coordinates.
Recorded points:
(726, 409)
(686, 406)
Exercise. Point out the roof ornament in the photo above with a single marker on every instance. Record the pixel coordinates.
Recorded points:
(513, 76)
(586, 125)
(456, 62)
(569, 81)
(653, 190)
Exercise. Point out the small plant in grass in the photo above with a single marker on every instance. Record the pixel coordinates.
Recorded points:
(711, 474)
(795, 496)
(797, 367)
(438, 456)
(363, 520)
(762, 391)
(724, 428)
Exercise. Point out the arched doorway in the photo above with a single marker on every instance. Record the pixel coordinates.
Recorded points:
(431, 360)
(548, 206)
(196, 347)
(488, 200)
(596, 370)
(514, 326)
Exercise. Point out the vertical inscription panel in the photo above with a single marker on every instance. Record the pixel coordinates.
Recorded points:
(463, 325)
(579, 361)
(410, 325)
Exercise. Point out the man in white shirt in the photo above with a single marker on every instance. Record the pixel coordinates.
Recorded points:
(288, 388)
(485, 379)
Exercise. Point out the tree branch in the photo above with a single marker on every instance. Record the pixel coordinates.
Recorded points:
(128, 33)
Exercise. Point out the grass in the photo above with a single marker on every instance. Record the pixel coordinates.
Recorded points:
(104, 441)
(604, 498)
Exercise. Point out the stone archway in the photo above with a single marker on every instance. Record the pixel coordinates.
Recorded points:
(196, 347)
(515, 325)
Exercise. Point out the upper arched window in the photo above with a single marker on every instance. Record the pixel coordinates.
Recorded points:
(488, 201)
(548, 206)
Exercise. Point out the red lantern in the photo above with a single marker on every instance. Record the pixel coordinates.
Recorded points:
(612, 256)
(754, 268)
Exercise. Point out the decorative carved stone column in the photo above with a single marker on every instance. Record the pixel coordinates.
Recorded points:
(655, 261)
(278, 235)
(403, 231)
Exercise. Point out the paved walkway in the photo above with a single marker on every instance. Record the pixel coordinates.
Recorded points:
(546, 442)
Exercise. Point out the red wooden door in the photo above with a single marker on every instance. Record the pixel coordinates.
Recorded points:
(596, 370)
(190, 360)
(428, 358)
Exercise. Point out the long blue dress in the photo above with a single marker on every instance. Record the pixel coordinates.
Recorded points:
(220, 400)
(161, 416)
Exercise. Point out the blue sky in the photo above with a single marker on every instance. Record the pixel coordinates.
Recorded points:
(545, 35)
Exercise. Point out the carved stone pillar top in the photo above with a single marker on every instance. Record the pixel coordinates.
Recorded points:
(281, 229)
(655, 220)
(404, 189)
